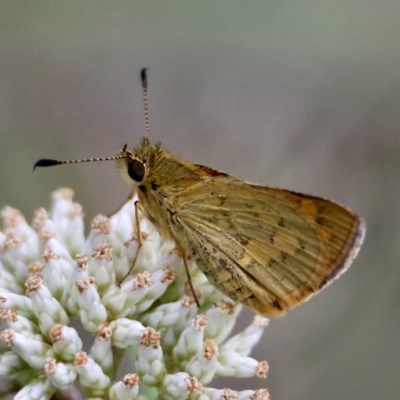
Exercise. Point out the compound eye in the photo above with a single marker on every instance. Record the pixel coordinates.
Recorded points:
(136, 170)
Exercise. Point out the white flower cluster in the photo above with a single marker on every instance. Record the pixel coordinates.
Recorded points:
(50, 275)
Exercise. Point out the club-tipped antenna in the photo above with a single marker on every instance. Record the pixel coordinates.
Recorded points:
(143, 76)
(45, 162)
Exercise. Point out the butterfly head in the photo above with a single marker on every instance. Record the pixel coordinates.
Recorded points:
(135, 164)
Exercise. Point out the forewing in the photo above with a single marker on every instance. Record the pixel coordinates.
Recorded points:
(267, 248)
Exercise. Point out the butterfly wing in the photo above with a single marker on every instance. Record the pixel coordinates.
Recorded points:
(267, 248)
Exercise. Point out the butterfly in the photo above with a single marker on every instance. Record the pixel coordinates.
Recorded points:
(269, 249)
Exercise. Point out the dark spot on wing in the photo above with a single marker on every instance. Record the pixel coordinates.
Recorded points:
(233, 295)
(241, 239)
(281, 222)
(275, 303)
(272, 262)
(320, 220)
(222, 262)
(272, 239)
(302, 244)
(154, 186)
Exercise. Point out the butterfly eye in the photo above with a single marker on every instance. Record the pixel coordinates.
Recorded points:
(136, 170)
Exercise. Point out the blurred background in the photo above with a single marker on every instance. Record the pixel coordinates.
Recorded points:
(302, 95)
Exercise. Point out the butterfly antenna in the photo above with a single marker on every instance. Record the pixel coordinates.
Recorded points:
(45, 162)
(143, 76)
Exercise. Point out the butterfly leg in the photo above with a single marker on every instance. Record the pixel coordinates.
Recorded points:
(184, 258)
(139, 239)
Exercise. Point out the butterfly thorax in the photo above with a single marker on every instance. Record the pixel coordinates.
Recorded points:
(163, 177)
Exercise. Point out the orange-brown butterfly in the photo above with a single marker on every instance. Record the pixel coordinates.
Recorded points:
(267, 248)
